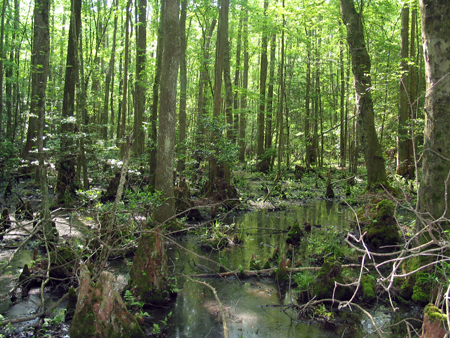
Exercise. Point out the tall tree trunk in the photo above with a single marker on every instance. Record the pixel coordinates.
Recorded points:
(376, 172)
(228, 91)
(281, 100)
(268, 138)
(309, 157)
(123, 109)
(39, 76)
(243, 114)
(181, 147)
(343, 120)
(218, 171)
(262, 162)
(405, 165)
(149, 273)
(108, 81)
(237, 74)
(433, 200)
(155, 96)
(66, 184)
(141, 85)
(2, 57)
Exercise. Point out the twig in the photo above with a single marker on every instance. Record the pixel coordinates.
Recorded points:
(222, 311)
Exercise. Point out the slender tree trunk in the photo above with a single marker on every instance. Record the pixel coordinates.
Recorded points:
(109, 82)
(154, 108)
(343, 120)
(376, 173)
(268, 138)
(262, 162)
(281, 100)
(433, 200)
(228, 91)
(141, 85)
(39, 75)
(405, 165)
(2, 57)
(309, 157)
(123, 121)
(66, 184)
(243, 114)
(237, 74)
(218, 171)
(181, 147)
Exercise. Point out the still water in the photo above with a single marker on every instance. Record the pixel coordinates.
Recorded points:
(254, 307)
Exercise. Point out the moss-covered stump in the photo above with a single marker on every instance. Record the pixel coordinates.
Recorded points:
(433, 322)
(295, 234)
(100, 311)
(325, 282)
(380, 224)
(368, 288)
(149, 276)
(281, 271)
(417, 287)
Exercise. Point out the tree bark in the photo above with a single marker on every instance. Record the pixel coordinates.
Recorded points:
(181, 147)
(262, 162)
(149, 273)
(141, 85)
(434, 185)
(66, 185)
(405, 165)
(243, 100)
(167, 111)
(376, 172)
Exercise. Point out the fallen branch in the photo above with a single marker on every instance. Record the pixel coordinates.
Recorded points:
(222, 311)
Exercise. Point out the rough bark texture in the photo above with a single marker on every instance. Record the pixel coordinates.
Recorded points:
(41, 47)
(373, 156)
(167, 111)
(436, 149)
(242, 116)
(100, 311)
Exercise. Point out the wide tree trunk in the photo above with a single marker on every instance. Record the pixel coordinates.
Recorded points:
(434, 185)
(149, 274)
(376, 172)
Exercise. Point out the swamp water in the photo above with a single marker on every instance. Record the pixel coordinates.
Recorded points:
(254, 307)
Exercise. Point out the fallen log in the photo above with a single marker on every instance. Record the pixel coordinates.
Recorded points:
(254, 273)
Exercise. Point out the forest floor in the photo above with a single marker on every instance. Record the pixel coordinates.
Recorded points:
(256, 191)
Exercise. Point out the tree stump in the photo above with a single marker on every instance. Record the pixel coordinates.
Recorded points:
(100, 311)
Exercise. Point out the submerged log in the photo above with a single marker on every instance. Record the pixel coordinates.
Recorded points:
(100, 311)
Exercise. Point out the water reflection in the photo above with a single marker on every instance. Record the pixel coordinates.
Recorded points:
(252, 306)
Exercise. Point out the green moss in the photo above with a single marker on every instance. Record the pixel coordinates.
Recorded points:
(434, 313)
(420, 294)
(368, 288)
(295, 234)
(325, 286)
